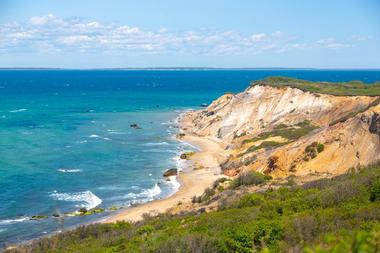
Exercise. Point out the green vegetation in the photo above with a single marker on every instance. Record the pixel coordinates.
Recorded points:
(250, 178)
(312, 150)
(353, 88)
(39, 217)
(211, 191)
(329, 215)
(265, 145)
(291, 133)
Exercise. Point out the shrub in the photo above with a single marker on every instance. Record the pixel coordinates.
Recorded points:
(375, 191)
(250, 178)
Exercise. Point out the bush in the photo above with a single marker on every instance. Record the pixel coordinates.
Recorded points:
(375, 191)
(250, 178)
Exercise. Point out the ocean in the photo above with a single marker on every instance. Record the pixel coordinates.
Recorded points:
(66, 140)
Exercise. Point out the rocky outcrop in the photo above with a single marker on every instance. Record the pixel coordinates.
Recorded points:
(171, 172)
(375, 124)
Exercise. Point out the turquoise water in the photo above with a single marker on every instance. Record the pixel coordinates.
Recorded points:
(66, 140)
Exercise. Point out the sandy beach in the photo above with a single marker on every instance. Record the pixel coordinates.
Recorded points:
(193, 182)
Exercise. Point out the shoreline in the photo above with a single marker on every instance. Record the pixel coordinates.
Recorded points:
(192, 181)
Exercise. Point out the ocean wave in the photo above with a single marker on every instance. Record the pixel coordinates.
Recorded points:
(116, 132)
(69, 170)
(19, 110)
(173, 184)
(2, 230)
(89, 200)
(13, 221)
(99, 137)
(155, 143)
(145, 195)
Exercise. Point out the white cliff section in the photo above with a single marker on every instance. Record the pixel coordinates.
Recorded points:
(263, 107)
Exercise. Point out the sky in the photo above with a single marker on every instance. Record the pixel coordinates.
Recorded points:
(197, 33)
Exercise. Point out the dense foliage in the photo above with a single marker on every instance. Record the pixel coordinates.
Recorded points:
(341, 214)
(353, 88)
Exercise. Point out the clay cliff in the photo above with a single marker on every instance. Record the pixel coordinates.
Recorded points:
(285, 130)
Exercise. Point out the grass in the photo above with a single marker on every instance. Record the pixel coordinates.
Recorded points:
(291, 133)
(329, 215)
(264, 145)
(353, 88)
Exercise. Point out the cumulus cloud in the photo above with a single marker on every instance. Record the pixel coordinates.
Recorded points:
(55, 34)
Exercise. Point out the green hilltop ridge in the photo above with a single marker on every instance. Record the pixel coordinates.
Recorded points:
(340, 214)
(352, 88)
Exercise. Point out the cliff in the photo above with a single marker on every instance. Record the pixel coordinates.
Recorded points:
(283, 130)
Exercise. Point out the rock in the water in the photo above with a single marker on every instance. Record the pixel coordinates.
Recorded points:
(171, 172)
(204, 105)
(39, 217)
(135, 126)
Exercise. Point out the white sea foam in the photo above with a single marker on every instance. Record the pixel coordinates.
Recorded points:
(84, 141)
(19, 110)
(113, 131)
(174, 184)
(87, 198)
(145, 195)
(156, 143)
(69, 170)
(13, 221)
(99, 137)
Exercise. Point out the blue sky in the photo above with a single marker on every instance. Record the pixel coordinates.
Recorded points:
(169, 33)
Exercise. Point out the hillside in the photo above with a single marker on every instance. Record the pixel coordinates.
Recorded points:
(329, 215)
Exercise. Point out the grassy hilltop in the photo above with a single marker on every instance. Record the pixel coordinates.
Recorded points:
(329, 215)
(353, 88)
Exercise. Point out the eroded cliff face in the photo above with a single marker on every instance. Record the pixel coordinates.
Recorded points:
(260, 108)
(286, 131)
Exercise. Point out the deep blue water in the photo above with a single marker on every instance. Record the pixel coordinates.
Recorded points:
(66, 140)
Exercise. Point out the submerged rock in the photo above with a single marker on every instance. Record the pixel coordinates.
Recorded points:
(171, 172)
(135, 126)
(39, 217)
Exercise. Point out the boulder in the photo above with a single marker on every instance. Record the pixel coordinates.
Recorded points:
(39, 217)
(171, 172)
(135, 126)
(186, 155)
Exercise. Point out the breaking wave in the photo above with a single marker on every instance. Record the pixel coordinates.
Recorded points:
(19, 110)
(87, 198)
(13, 221)
(69, 170)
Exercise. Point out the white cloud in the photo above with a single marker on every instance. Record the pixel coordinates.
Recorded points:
(54, 34)
(76, 39)
(42, 20)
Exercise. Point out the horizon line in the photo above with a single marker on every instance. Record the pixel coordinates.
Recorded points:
(184, 68)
